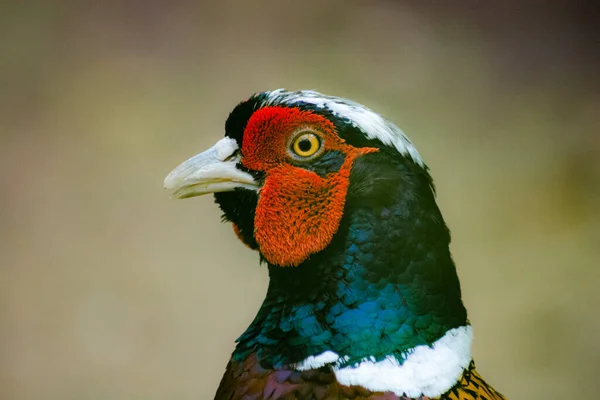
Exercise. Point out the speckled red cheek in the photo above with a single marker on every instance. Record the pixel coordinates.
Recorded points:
(261, 149)
(263, 140)
(265, 137)
(299, 212)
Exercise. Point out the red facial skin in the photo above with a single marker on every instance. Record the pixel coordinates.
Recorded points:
(298, 211)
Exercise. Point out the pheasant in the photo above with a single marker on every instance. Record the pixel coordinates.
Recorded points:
(364, 301)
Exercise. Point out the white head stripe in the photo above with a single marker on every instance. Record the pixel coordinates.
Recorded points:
(373, 125)
(427, 370)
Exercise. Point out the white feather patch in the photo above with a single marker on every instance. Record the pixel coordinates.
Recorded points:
(426, 371)
(373, 125)
(316, 362)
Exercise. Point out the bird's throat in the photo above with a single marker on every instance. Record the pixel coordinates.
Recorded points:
(385, 285)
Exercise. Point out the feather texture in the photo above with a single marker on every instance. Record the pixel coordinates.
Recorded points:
(364, 300)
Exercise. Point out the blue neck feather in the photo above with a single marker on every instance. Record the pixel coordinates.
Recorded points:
(386, 284)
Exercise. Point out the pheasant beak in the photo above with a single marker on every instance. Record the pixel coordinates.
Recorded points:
(214, 170)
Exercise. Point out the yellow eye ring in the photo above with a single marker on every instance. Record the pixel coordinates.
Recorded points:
(306, 145)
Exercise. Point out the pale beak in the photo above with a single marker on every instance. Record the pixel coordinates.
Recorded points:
(210, 172)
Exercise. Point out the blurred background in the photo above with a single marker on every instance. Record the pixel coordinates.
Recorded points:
(110, 290)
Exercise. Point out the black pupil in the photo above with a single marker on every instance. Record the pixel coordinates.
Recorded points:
(304, 145)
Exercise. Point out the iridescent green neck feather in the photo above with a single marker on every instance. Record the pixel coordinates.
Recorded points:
(384, 285)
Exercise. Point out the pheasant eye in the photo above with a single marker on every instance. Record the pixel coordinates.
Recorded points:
(306, 145)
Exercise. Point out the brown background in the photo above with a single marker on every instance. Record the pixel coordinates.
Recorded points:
(109, 290)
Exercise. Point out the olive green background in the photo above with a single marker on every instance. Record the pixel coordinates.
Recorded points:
(110, 290)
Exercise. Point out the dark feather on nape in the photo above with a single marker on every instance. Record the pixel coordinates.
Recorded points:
(374, 180)
(238, 118)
